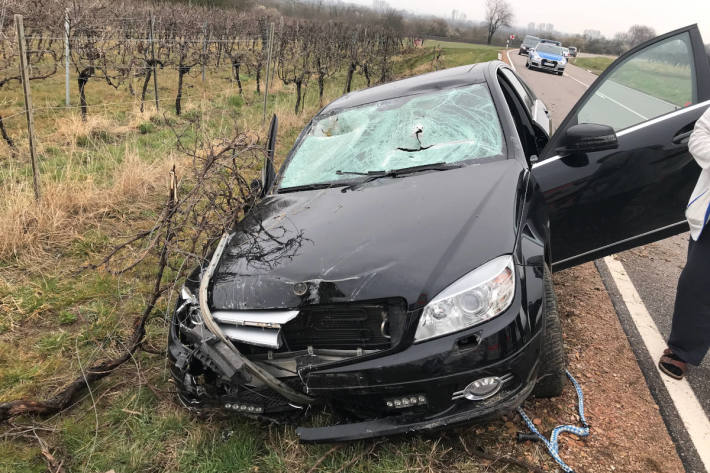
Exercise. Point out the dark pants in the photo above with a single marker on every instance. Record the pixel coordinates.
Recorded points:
(690, 334)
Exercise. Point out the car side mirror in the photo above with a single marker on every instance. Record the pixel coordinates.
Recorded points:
(587, 137)
(268, 172)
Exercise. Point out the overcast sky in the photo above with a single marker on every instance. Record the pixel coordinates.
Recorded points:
(574, 16)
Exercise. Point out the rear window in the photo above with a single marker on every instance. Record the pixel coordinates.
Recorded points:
(531, 40)
(448, 126)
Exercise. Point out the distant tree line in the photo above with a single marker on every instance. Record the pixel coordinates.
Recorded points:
(494, 29)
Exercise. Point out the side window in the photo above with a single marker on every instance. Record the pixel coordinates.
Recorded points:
(655, 81)
(523, 125)
(520, 89)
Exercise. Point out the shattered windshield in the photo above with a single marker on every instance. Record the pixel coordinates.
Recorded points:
(446, 126)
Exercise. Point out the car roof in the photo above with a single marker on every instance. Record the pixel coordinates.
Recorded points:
(439, 80)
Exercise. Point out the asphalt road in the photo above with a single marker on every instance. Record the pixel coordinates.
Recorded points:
(653, 269)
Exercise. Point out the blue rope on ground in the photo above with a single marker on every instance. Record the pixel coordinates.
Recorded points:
(551, 444)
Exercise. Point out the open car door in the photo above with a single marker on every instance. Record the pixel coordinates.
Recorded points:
(617, 173)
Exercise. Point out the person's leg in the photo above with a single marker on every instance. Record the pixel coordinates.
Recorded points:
(690, 332)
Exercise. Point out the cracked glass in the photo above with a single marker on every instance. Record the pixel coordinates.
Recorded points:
(446, 126)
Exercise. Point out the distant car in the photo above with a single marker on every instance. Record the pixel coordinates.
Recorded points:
(529, 42)
(565, 52)
(551, 41)
(572, 51)
(547, 57)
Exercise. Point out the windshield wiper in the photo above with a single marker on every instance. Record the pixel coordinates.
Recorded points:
(372, 175)
(369, 176)
(308, 187)
(356, 173)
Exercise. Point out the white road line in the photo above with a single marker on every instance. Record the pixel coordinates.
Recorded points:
(510, 61)
(576, 80)
(621, 105)
(608, 98)
(689, 409)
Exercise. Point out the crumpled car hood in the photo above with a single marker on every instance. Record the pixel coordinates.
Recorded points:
(404, 237)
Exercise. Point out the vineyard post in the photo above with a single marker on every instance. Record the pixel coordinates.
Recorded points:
(25, 73)
(268, 65)
(152, 57)
(66, 55)
(204, 49)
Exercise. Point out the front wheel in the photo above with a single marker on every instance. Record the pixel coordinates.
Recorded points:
(553, 364)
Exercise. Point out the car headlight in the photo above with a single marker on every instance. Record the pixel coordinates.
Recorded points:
(476, 297)
(563, 61)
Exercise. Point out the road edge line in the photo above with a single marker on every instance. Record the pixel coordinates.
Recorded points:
(576, 80)
(688, 407)
(510, 61)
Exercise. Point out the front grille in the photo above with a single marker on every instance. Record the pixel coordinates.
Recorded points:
(366, 325)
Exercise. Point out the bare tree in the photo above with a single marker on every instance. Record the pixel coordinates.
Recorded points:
(498, 13)
(640, 34)
(295, 58)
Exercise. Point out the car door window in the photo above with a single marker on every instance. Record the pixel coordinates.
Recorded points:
(525, 95)
(655, 81)
(523, 124)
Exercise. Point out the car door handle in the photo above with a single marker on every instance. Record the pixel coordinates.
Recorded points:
(682, 138)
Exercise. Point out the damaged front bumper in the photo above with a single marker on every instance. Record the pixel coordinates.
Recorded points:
(416, 388)
(358, 357)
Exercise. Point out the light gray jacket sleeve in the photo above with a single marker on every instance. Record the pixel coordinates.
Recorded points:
(699, 144)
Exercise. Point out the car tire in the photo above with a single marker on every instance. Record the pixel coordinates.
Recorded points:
(553, 364)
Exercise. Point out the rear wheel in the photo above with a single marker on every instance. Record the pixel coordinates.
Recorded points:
(551, 376)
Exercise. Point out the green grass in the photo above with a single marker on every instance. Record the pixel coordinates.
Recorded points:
(669, 82)
(53, 321)
(595, 65)
(662, 80)
(452, 55)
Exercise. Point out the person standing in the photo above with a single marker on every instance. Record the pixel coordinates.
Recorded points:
(690, 331)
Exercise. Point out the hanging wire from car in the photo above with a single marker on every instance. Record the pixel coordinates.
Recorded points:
(552, 444)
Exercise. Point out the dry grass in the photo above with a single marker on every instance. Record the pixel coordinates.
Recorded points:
(69, 204)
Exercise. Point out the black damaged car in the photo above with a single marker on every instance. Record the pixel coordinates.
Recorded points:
(398, 265)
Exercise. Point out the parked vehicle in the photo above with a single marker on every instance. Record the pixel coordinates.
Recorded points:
(573, 51)
(547, 57)
(528, 43)
(565, 52)
(398, 266)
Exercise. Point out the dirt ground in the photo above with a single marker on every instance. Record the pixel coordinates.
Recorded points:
(627, 431)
